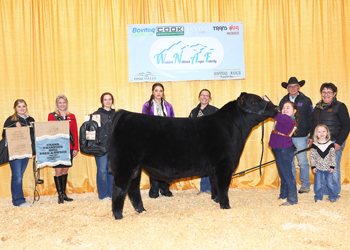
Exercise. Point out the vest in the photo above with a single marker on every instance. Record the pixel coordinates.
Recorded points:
(328, 117)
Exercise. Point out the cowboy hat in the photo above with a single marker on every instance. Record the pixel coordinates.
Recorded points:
(292, 80)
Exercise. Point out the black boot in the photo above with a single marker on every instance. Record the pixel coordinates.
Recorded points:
(64, 183)
(58, 182)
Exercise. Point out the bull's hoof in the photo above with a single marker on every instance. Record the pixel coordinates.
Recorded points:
(140, 210)
(226, 206)
(216, 199)
(153, 194)
(168, 194)
(118, 216)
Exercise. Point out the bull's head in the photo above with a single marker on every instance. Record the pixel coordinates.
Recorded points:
(254, 104)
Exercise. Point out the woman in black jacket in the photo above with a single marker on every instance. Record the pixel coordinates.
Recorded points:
(104, 179)
(202, 109)
(20, 118)
(334, 114)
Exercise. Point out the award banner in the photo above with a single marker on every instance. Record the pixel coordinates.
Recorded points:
(186, 51)
(19, 143)
(52, 143)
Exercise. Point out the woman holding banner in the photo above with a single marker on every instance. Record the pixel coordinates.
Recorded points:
(20, 118)
(104, 179)
(61, 171)
(157, 105)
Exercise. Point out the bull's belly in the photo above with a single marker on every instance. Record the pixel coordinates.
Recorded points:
(170, 174)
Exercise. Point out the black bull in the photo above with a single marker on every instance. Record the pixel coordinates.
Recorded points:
(173, 148)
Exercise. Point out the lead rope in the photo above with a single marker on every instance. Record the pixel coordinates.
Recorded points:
(262, 145)
(36, 172)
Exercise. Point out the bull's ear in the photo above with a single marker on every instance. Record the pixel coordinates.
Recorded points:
(242, 100)
(242, 94)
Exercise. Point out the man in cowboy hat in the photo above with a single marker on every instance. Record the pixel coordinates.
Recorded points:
(304, 125)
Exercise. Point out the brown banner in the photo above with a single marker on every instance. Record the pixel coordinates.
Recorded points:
(19, 143)
(51, 128)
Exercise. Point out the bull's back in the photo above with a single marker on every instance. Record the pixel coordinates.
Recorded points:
(172, 138)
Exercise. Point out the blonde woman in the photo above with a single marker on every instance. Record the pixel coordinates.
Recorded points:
(20, 118)
(61, 171)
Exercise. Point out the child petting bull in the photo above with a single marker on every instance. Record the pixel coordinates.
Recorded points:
(283, 150)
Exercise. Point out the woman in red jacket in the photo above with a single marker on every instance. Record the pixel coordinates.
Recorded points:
(61, 171)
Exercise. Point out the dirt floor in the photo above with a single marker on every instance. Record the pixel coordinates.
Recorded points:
(185, 221)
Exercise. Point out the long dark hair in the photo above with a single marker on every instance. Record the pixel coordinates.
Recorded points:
(157, 84)
(296, 115)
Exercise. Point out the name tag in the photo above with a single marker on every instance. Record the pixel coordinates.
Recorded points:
(300, 104)
(90, 135)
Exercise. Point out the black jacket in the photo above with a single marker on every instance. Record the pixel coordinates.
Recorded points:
(305, 113)
(106, 124)
(208, 110)
(23, 122)
(335, 117)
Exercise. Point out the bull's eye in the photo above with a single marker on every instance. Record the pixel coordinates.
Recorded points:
(254, 103)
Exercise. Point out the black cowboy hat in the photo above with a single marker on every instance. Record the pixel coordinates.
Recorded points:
(293, 80)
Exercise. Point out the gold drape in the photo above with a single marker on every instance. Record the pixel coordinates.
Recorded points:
(80, 48)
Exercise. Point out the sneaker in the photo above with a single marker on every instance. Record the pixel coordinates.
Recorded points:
(106, 199)
(25, 204)
(303, 190)
(318, 200)
(332, 201)
(286, 204)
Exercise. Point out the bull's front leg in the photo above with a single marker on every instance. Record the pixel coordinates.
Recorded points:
(223, 180)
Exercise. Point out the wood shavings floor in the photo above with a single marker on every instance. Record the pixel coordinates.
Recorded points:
(185, 221)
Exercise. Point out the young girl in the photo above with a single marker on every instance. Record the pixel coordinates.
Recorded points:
(323, 162)
(282, 147)
(157, 105)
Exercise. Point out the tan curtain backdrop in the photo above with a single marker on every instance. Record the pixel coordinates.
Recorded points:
(80, 48)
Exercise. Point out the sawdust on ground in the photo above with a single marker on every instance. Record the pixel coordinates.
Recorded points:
(185, 221)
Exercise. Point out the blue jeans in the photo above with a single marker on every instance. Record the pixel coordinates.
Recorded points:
(303, 162)
(205, 184)
(284, 158)
(319, 176)
(337, 172)
(104, 179)
(17, 168)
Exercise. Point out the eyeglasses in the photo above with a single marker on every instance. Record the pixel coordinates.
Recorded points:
(206, 96)
(327, 93)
